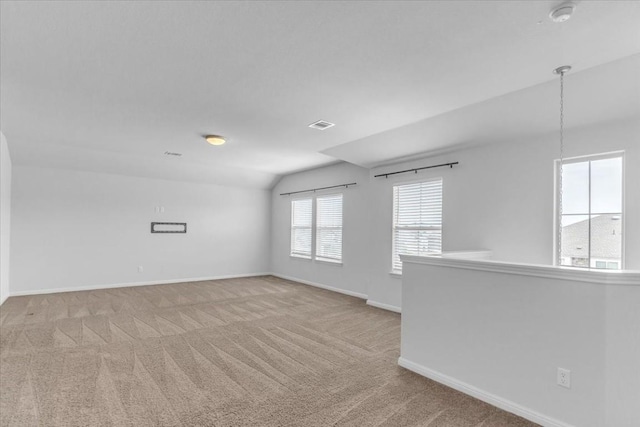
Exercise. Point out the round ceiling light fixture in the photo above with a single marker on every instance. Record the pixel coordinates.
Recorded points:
(215, 139)
(563, 12)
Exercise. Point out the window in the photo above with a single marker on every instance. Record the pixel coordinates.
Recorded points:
(609, 265)
(316, 228)
(591, 217)
(329, 228)
(301, 226)
(417, 220)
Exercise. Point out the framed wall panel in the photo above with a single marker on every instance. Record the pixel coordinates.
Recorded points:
(168, 227)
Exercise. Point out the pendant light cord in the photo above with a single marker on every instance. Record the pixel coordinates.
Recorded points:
(559, 260)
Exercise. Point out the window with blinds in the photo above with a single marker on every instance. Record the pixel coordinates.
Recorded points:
(417, 220)
(301, 227)
(329, 228)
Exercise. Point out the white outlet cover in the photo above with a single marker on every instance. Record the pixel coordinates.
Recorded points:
(564, 378)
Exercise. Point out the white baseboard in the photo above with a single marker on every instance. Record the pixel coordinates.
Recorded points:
(199, 279)
(3, 300)
(132, 284)
(384, 306)
(319, 285)
(485, 396)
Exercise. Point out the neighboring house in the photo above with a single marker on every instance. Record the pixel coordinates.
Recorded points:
(606, 239)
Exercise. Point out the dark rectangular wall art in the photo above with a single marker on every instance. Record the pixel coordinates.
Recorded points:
(168, 227)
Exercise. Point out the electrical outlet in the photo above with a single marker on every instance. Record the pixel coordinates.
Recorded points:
(140, 269)
(564, 378)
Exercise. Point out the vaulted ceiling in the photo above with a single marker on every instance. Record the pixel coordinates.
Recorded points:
(110, 86)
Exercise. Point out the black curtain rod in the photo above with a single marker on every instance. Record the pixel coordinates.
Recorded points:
(320, 188)
(386, 175)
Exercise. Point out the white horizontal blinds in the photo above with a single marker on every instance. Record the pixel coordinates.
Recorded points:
(301, 227)
(329, 227)
(417, 220)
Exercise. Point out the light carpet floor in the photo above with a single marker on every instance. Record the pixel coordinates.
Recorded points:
(241, 352)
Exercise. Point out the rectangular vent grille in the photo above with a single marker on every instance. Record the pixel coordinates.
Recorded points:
(321, 125)
(169, 153)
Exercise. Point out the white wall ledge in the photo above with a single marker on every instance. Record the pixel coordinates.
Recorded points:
(469, 254)
(605, 277)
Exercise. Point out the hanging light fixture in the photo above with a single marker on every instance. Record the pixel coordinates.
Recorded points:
(561, 14)
(561, 71)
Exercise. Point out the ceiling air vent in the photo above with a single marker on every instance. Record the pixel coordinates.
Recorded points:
(170, 153)
(321, 125)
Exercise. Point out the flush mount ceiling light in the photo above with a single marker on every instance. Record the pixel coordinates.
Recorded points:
(562, 13)
(215, 139)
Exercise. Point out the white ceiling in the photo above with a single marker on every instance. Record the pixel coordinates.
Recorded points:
(111, 86)
(602, 94)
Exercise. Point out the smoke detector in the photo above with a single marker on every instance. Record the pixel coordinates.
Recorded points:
(321, 125)
(562, 13)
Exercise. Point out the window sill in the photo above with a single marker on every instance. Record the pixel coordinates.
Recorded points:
(396, 274)
(330, 262)
(300, 257)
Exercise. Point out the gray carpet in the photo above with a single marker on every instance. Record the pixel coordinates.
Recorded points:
(243, 352)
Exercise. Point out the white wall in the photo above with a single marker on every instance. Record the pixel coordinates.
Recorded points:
(622, 375)
(506, 335)
(352, 275)
(5, 217)
(500, 197)
(74, 229)
(502, 336)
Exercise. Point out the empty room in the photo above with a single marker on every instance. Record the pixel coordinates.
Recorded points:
(320, 213)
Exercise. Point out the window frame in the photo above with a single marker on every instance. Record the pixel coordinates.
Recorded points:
(314, 224)
(292, 254)
(316, 227)
(557, 220)
(398, 272)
